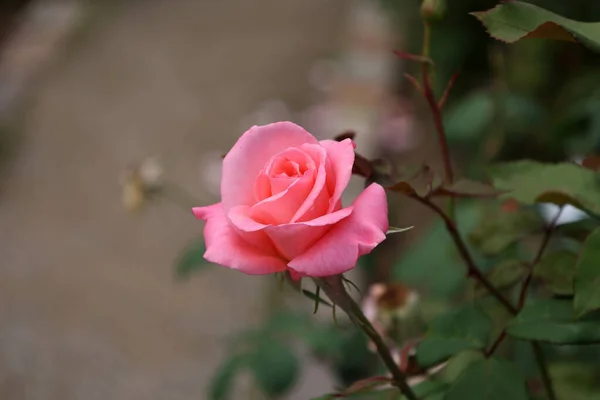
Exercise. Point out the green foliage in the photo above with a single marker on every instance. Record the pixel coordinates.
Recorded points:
(574, 381)
(468, 120)
(557, 271)
(531, 182)
(453, 332)
(587, 278)
(503, 276)
(498, 229)
(223, 380)
(275, 368)
(458, 363)
(516, 20)
(554, 321)
(489, 379)
(432, 263)
(191, 259)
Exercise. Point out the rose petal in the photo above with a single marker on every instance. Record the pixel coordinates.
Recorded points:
(280, 208)
(226, 247)
(250, 155)
(341, 157)
(316, 202)
(338, 251)
(291, 240)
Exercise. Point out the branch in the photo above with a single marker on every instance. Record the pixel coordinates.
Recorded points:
(545, 240)
(472, 270)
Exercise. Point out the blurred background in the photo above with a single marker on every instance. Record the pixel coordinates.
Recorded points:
(90, 92)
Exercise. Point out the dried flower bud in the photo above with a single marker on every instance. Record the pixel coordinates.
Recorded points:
(396, 299)
(433, 10)
(140, 182)
(133, 192)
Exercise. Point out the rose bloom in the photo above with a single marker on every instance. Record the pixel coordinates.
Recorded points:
(281, 206)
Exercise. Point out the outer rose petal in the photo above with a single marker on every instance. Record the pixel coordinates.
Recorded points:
(341, 156)
(338, 251)
(225, 247)
(250, 155)
(290, 240)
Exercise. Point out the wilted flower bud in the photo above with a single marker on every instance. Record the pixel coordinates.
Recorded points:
(388, 302)
(394, 299)
(433, 10)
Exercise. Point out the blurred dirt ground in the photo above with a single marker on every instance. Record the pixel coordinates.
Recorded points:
(88, 305)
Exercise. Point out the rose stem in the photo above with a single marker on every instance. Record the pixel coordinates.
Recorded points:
(333, 287)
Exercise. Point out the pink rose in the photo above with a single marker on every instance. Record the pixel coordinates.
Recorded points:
(281, 206)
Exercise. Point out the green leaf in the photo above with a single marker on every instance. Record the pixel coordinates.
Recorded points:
(563, 183)
(553, 321)
(489, 379)
(578, 230)
(575, 381)
(275, 368)
(503, 276)
(222, 382)
(467, 188)
(455, 331)
(191, 259)
(432, 262)
(458, 363)
(557, 271)
(419, 181)
(515, 20)
(587, 277)
(498, 229)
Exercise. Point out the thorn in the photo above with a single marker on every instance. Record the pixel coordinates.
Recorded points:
(449, 86)
(414, 82)
(413, 57)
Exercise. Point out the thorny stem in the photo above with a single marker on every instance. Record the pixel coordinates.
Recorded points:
(545, 240)
(333, 286)
(472, 270)
(435, 109)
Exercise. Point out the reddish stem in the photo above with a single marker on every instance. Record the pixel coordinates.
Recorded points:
(495, 345)
(439, 125)
(545, 240)
(446, 93)
(472, 270)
